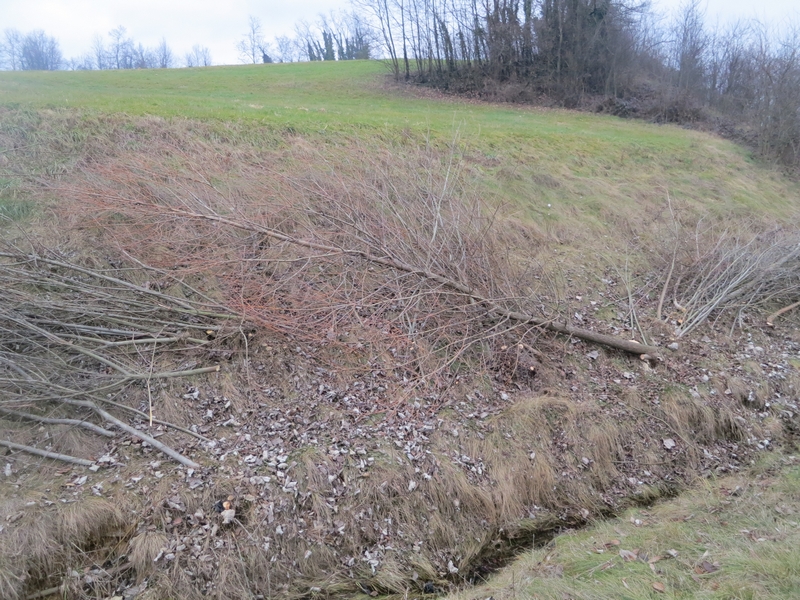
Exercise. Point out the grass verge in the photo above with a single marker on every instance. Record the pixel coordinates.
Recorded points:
(734, 537)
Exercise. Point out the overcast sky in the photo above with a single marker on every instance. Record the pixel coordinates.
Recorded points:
(219, 25)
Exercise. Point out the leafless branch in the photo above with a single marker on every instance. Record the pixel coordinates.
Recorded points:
(53, 421)
(46, 454)
(134, 432)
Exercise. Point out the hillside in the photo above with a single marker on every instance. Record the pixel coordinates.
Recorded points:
(335, 303)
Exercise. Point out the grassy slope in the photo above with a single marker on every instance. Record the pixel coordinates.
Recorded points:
(577, 176)
(735, 538)
(591, 170)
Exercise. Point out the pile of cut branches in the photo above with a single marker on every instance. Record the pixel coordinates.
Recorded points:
(75, 336)
(738, 275)
(397, 262)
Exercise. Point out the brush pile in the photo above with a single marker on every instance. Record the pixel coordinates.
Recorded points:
(76, 336)
(738, 276)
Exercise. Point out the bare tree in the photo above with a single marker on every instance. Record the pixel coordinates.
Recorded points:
(287, 49)
(164, 59)
(337, 36)
(200, 56)
(122, 51)
(12, 49)
(383, 14)
(39, 52)
(253, 48)
(690, 43)
(144, 58)
(99, 53)
(80, 63)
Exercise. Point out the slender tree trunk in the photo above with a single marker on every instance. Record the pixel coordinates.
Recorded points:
(405, 41)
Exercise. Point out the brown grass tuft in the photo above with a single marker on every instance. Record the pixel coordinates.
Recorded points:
(90, 521)
(144, 548)
(690, 417)
(37, 547)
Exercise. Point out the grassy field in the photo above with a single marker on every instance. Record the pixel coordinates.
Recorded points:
(186, 175)
(563, 169)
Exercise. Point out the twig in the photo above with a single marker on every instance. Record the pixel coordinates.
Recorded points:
(666, 284)
(51, 421)
(122, 282)
(631, 304)
(158, 421)
(147, 382)
(48, 592)
(153, 341)
(171, 374)
(46, 454)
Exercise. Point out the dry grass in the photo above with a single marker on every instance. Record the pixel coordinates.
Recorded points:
(144, 548)
(466, 518)
(546, 461)
(40, 546)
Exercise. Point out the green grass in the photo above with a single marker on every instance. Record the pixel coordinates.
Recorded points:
(735, 538)
(591, 190)
(345, 96)
(13, 208)
(566, 171)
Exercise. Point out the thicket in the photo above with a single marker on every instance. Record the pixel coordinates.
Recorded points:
(609, 55)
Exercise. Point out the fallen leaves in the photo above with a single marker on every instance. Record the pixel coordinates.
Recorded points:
(607, 546)
(659, 587)
(629, 555)
(706, 567)
(753, 536)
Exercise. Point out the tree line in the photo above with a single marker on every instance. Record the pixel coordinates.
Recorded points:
(337, 36)
(608, 55)
(37, 51)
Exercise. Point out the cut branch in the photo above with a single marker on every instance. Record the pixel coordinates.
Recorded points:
(46, 454)
(194, 434)
(51, 421)
(491, 306)
(135, 432)
(775, 315)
